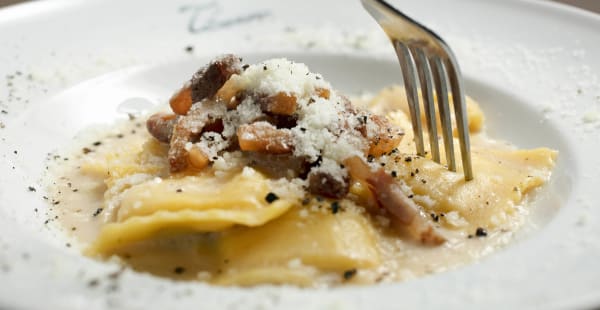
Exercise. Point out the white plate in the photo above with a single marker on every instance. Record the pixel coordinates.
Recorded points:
(532, 65)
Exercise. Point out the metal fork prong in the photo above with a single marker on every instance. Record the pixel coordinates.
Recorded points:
(460, 114)
(441, 86)
(409, 76)
(425, 79)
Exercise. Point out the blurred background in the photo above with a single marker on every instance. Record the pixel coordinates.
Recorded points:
(591, 5)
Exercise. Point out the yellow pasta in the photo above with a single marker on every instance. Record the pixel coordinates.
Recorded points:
(321, 239)
(293, 211)
(191, 204)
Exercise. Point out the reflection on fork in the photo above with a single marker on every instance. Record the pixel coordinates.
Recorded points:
(427, 61)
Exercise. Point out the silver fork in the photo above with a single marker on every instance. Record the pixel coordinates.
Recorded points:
(424, 57)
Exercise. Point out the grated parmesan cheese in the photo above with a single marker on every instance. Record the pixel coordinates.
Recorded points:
(325, 131)
(280, 75)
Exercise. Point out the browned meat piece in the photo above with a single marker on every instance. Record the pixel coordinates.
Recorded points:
(323, 92)
(197, 159)
(206, 114)
(263, 137)
(387, 138)
(278, 165)
(284, 103)
(389, 196)
(181, 101)
(178, 155)
(230, 94)
(323, 184)
(281, 121)
(280, 104)
(205, 83)
(160, 126)
(383, 137)
(208, 80)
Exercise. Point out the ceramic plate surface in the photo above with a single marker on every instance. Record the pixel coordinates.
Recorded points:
(70, 65)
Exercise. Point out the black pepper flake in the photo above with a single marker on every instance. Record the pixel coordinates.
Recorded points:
(265, 68)
(86, 150)
(317, 162)
(68, 245)
(179, 270)
(423, 181)
(335, 207)
(480, 232)
(271, 197)
(15, 151)
(408, 159)
(97, 212)
(302, 129)
(93, 283)
(435, 217)
(394, 174)
(4, 112)
(411, 196)
(97, 143)
(349, 274)
(189, 48)
(31, 188)
(120, 136)
(370, 158)
(116, 274)
(246, 66)
(179, 190)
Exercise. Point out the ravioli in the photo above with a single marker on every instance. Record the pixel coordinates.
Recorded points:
(321, 239)
(192, 203)
(504, 175)
(196, 205)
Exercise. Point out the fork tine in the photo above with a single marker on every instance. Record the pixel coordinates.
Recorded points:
(416, 44)
(409, 76)
(444, 109)
(460, 113)
(425, 78)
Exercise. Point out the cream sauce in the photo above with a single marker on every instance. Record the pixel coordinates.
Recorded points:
(190, 256)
